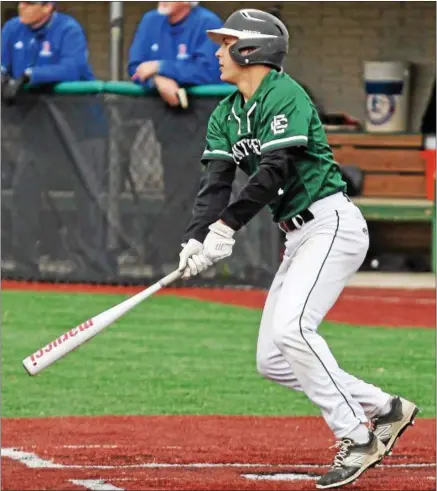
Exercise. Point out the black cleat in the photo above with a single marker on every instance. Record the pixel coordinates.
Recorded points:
(351, 461)
(389, 428)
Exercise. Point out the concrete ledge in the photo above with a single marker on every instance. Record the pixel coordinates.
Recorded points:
(394, 280)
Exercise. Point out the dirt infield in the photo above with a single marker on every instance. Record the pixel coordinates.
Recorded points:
(195, 453)
(365, 306)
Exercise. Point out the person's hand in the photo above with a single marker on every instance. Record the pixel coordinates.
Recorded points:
(219, 242)
(145, 70)
(12, 88)
(168, 89)
(192, 261)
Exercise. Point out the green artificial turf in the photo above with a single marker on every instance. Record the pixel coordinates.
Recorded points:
(181, 356)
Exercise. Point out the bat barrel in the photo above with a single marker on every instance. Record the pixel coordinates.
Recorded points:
(79, 335)
(61, 346)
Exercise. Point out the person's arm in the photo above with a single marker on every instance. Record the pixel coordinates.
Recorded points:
(285, 133)
(138, 51)
(263, 187)
(202, 68)
(213, 197)
(6, 65)
(216, 183)
(285, 125)
(73, 60)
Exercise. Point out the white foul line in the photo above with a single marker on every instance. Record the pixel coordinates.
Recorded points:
(29, 459)
(95, 485)
(280, 477)
(32, 460)
(88, 446)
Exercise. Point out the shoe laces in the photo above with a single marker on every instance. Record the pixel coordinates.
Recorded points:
(343, 446)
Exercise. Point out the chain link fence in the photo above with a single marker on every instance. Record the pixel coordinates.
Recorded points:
(99, 188)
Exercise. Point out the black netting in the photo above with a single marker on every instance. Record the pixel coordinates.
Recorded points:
(99, 188)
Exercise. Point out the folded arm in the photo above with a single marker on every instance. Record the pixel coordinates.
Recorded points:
(73, 59)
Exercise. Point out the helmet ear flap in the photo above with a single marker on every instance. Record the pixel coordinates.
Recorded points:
(269, 52)
(236, 52)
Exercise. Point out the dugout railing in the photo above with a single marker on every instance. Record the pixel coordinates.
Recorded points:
(98, 182)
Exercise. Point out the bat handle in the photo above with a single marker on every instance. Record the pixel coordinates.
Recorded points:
(170, 278)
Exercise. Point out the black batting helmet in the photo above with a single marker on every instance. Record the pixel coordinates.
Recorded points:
(263, 34)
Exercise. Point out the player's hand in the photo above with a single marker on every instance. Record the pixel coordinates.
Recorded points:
(145, 70)
(168, 89)
(192, 261)
(219, 242)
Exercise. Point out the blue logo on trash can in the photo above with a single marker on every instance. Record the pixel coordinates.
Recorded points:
(381, 100)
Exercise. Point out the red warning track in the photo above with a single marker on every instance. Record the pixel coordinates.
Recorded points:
(195, 453)
(365, 306)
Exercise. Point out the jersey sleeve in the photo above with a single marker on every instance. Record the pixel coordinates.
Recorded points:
(6, 48)
(285, 120)
(217, 143)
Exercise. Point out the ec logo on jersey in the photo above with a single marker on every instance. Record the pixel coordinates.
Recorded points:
(279, 124)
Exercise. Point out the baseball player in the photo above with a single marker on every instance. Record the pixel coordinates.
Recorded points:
(270, 129)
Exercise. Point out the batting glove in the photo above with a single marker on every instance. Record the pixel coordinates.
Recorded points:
(219, 242)
(192, 261)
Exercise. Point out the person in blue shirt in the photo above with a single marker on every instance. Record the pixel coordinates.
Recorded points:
(171, 49)
(42, 46)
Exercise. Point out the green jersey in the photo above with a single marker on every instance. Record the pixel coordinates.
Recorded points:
(278, 115)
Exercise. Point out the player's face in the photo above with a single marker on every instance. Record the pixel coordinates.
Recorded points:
(32, 13)
(230, 71)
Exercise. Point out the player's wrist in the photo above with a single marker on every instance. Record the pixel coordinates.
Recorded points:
(228, 219)
(221, 228)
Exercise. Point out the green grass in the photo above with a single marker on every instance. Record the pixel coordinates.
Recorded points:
(182, 356)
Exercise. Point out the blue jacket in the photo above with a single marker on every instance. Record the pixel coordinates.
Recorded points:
(55, 52)
(184, 51)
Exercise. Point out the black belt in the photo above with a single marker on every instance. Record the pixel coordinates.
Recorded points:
(297, 221)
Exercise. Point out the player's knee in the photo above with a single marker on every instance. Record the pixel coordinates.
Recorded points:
(286, 334)
(289, 332)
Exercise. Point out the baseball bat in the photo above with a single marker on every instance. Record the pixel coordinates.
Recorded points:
(80, 334)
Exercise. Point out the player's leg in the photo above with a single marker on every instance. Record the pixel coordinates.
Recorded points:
(391, 415)
(326, 253)
(272, 364)
(270, 361)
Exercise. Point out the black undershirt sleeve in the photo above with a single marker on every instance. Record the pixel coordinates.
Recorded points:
(274, 172)
(212, 199)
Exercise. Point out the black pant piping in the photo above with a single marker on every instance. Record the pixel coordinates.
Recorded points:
(303, 310)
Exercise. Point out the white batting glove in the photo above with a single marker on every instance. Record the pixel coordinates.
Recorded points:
(192, 261)
(219, 242)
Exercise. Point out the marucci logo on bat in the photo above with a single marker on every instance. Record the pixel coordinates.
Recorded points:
(65, 337)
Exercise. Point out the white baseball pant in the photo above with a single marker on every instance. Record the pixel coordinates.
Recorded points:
(320, 258)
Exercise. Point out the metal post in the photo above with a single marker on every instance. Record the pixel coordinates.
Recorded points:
(116, 41)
